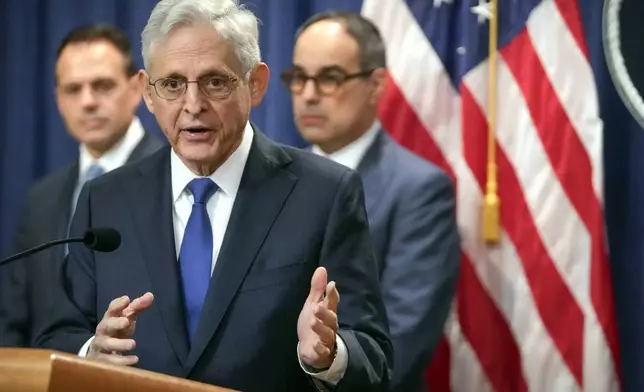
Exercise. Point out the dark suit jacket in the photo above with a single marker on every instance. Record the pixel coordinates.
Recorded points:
(411, 209)
(27, 285)
(294, 211)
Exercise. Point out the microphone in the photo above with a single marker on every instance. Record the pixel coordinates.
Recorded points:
(101, 239)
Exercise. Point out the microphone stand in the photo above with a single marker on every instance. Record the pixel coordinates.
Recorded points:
(41, 247)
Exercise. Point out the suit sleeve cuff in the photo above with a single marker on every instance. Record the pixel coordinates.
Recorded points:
(83, 351)
(335, 372)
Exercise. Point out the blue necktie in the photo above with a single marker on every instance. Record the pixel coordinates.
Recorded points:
(91, 173)
(195, 256)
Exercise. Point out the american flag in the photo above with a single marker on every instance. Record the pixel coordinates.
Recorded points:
(535, 311)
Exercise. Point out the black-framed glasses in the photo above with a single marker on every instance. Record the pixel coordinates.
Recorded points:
(326, 81)
(214, 87)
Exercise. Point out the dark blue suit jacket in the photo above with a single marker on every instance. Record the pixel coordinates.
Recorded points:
(412, 215)
(294, 212)
(27, 286)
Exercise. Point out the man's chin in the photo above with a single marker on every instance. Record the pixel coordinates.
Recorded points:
(100, 141)
(197, 157)
(314, 135)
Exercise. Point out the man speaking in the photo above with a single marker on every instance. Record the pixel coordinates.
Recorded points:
(243, 263)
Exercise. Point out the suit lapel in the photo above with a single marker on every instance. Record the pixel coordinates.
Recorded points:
(152, 217)
(61, 194)
(65, 194)
(263, 191)
(147, 146)
(372, 173)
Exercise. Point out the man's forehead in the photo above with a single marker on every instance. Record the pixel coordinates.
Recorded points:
(78, 65)
(190, 50)
(332, 63)
(324, 44)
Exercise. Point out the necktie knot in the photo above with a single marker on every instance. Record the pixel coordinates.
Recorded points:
(202, 189)
(93, 171)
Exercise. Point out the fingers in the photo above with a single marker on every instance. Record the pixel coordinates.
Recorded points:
(126, 360)
(113, 326)
(326, 316)
(106, 344)
(139, 305)
(332, 298)
(318, 284)
(321, 349)
(117, 306)
(325, 333)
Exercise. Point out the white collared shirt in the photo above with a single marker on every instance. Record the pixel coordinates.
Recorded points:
(118, 155)
(351, 155)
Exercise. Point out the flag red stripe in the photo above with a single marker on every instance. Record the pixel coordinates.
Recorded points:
(399, 119)
(485, 327)
(438, 372)
(475, 137)
(542, 276)
(569, 11)
(601, 293)
(571, 163)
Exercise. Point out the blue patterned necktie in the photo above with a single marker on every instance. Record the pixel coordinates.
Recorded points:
(195, 256)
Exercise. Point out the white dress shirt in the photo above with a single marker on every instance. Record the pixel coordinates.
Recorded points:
(351, 155)
(227, 178)
(118, 155)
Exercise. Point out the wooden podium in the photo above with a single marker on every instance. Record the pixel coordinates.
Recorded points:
(32, 370)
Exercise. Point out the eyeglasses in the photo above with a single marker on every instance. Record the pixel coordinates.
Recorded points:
(214, 87)
(326, 82)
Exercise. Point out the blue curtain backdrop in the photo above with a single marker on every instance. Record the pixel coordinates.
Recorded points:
(33, 141)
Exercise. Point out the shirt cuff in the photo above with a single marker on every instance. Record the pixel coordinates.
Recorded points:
(335, 372)
(83, 351)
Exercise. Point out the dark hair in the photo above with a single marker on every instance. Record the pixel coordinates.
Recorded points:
(371, 48)
(102, 32)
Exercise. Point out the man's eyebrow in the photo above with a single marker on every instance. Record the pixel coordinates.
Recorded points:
(332, 68)
(325, 69)
(205, 74)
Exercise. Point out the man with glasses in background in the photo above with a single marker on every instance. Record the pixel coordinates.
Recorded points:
(97, 95)
(337, 78)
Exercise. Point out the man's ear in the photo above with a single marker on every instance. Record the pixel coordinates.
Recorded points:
(146, 89)
(136, 90)
(379, 80)
(258, 83)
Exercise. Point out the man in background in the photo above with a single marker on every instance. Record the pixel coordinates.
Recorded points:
(337, 78)
(97, 95)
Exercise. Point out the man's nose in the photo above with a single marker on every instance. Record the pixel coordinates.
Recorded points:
(194, 99)
(88, 98)
(310, 91)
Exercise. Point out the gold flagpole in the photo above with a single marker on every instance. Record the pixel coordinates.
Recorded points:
(492, 203)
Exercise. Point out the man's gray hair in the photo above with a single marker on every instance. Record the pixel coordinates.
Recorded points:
(233, 22)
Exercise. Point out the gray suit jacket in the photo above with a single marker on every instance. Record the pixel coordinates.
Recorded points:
(411, 211)
(27, 285)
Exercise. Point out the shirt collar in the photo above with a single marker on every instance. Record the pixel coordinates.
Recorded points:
(227, 176)
(351, 154)
(118, 155)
